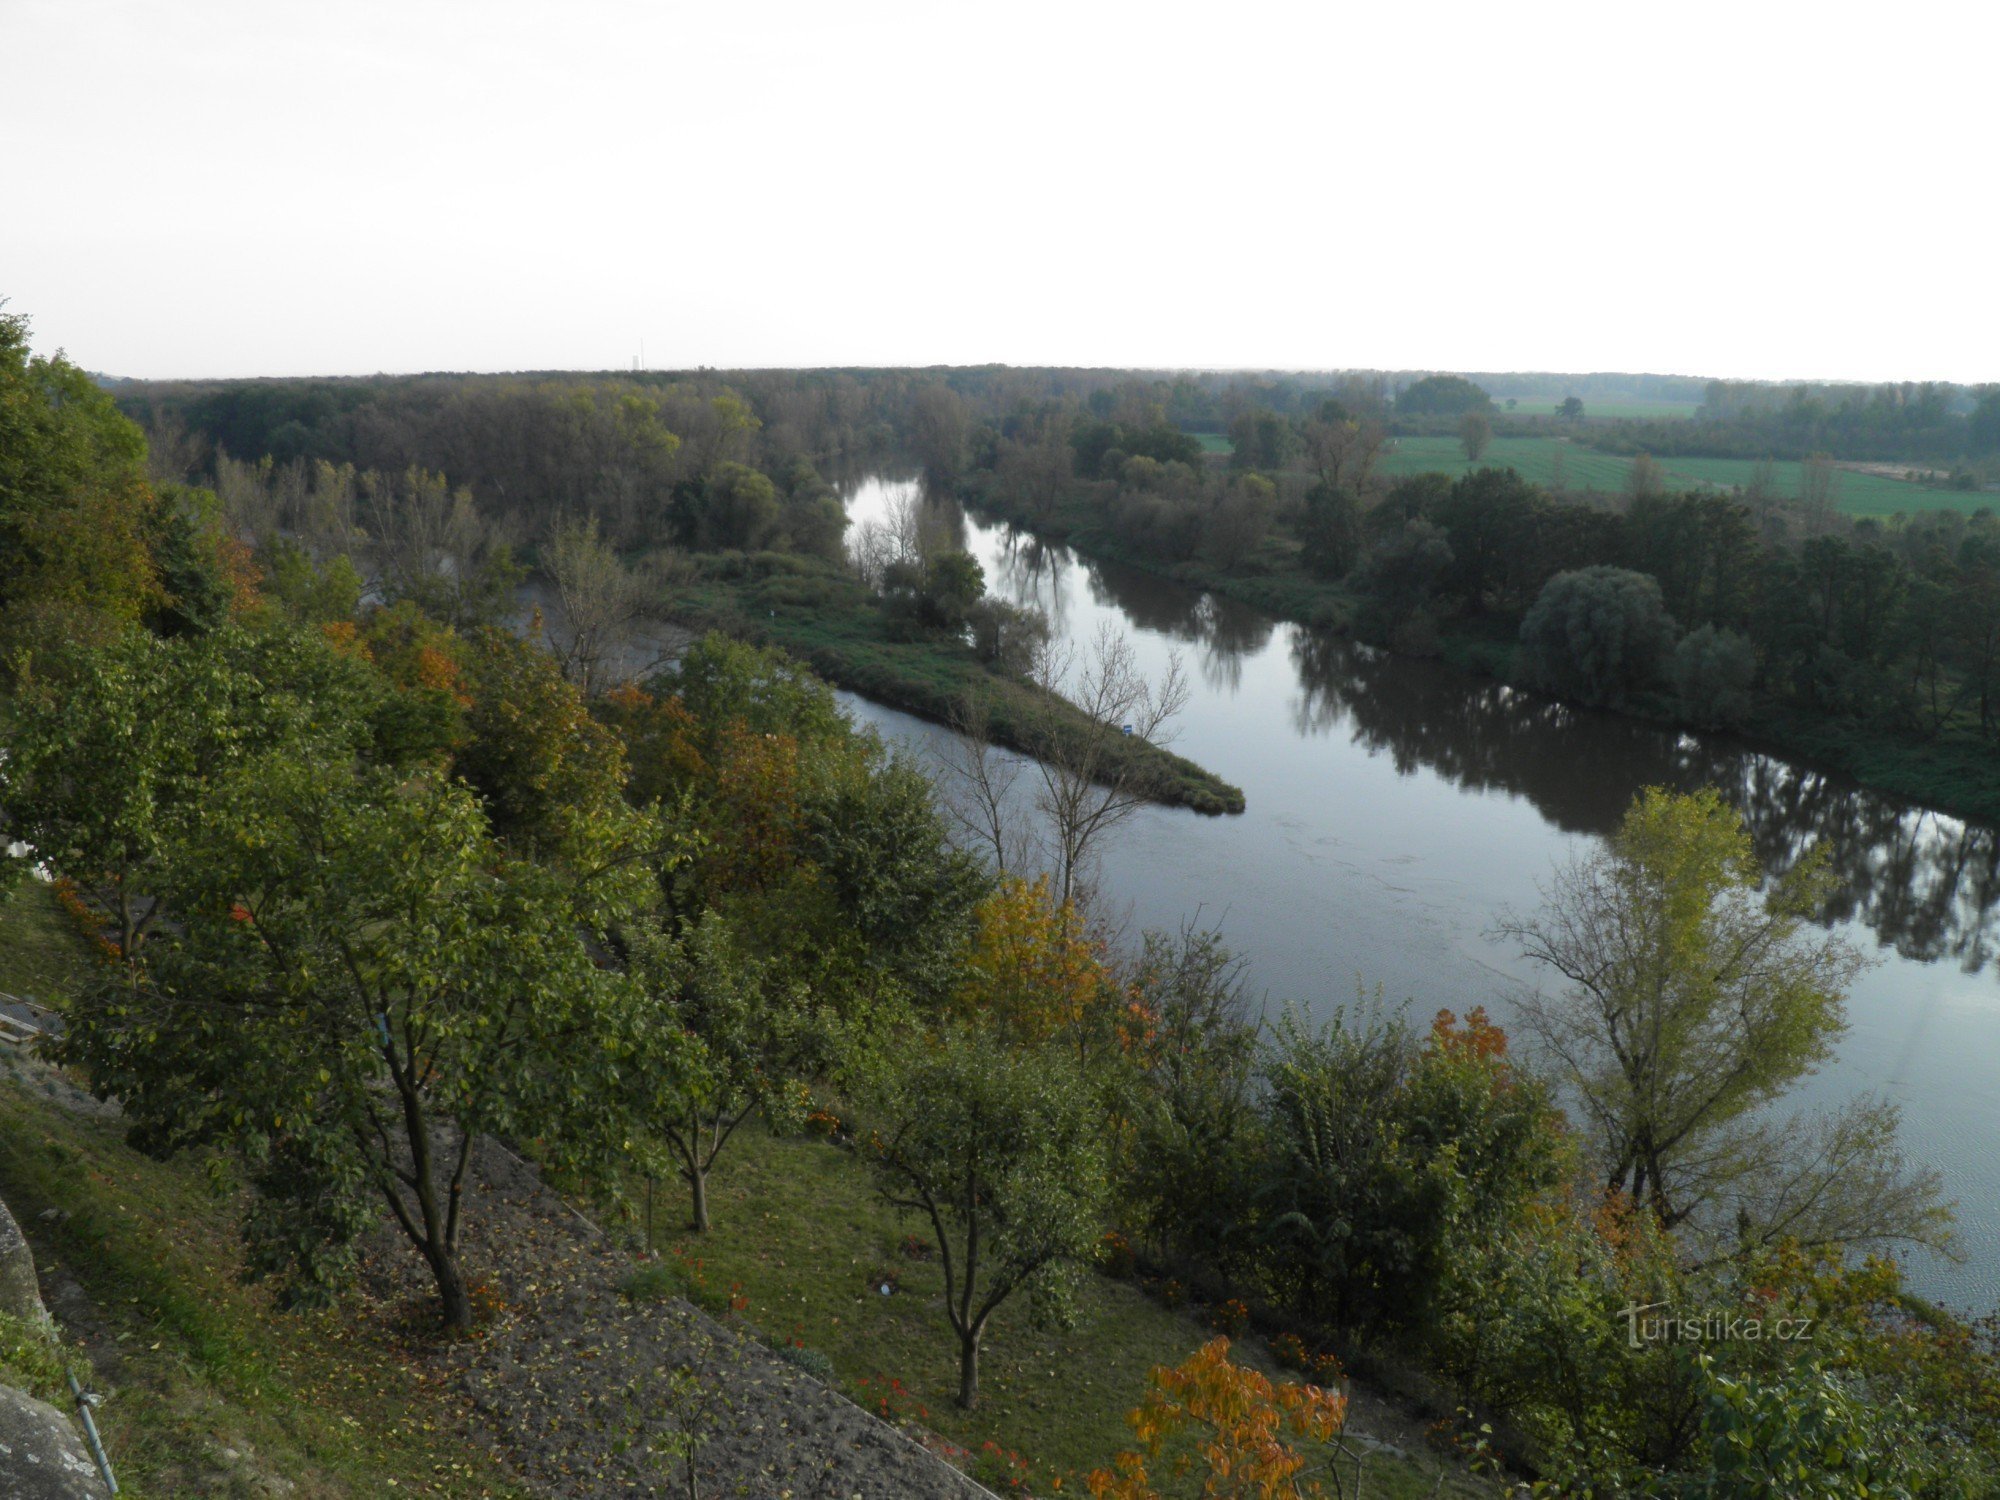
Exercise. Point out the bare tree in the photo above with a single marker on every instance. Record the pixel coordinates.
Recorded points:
(1053, 810)
(603, 601)
(1090, 782)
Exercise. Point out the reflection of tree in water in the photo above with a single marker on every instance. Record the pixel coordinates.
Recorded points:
(1030, 573)
(1925, 883)
(1223, 630)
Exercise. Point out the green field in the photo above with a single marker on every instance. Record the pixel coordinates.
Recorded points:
(1535, 460)
(1634, 411)
(1213, 442)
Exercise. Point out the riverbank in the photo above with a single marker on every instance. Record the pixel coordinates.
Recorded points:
(827, 618)
(1954, 773)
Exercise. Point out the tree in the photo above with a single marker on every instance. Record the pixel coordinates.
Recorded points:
(1240, 520)
(1571, 409)
(1032, 975)
(1001, 1152)
(717, 1035)
(361, 983)
(116, 749)
(1692, 1001)
(1712, 671)
(1442, 396)
(1389, 1158)
(602, 601)
(1474, 433)
(1645, 478)
(74, 501)
(1236, 1428)
(940, 425)
(1330, 530)
(1088, 785)
(1595, 634)
(1195, 1125)
(433, 546)
(1819, 490)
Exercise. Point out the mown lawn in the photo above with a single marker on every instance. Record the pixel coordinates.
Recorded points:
(799, 1233)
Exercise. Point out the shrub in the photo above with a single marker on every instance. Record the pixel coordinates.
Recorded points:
(812, 1361)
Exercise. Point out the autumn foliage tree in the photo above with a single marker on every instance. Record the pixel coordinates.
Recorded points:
(1213, 1428)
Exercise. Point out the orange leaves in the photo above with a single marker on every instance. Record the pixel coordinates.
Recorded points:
(1232, 1426)
(1478, 1038)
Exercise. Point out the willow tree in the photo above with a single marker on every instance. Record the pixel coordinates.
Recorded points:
(1695, 995)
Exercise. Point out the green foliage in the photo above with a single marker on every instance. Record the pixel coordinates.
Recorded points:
(74, 506)
(1596, 635)
(1196, 1125)
(1441, 396)
(724, 681)
(1001, 1154)
(32, 1360)
(1712, 671)
(1390, 1160)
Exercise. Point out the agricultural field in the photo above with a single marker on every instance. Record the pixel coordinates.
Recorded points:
(1635, 411)
(1536, 460)
(1214, 442)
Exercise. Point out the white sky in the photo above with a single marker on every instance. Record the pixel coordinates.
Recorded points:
(237, 187)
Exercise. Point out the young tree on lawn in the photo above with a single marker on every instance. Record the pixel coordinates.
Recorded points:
(719, 1034)
(1002, 1153)
(360, 982)
(1694, 998)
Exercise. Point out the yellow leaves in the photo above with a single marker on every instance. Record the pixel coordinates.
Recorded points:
(1032, 969)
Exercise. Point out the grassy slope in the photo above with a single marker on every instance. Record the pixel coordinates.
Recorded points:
(823, 616)
(195, 1361)
(1534, 458)
(797, 1224)
(41, 949)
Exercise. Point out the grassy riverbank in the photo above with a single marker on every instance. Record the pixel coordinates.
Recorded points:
(1954, 772)
(822, 615)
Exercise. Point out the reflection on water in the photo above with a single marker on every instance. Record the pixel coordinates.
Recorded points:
(1396, 806)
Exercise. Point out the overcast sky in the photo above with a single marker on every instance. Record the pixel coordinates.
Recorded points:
(208, 187)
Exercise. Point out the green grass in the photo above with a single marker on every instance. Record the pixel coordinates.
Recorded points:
(798, 1228)
(333, 1402)
(1582, 468)
(822, 615)
(1214, 442)
(40, 951)
(1627, 411)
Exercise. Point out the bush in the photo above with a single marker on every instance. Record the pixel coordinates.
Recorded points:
(1595, 635)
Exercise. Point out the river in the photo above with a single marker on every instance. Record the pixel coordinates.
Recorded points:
(1397, 807)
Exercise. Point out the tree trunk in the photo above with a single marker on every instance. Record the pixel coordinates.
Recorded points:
(968, 1369)
(451, 1288)
(698, 1190)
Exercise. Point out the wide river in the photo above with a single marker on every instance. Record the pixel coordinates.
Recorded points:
(1396, 807)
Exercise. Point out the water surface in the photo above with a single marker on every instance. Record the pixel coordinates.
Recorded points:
(1396, 808)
